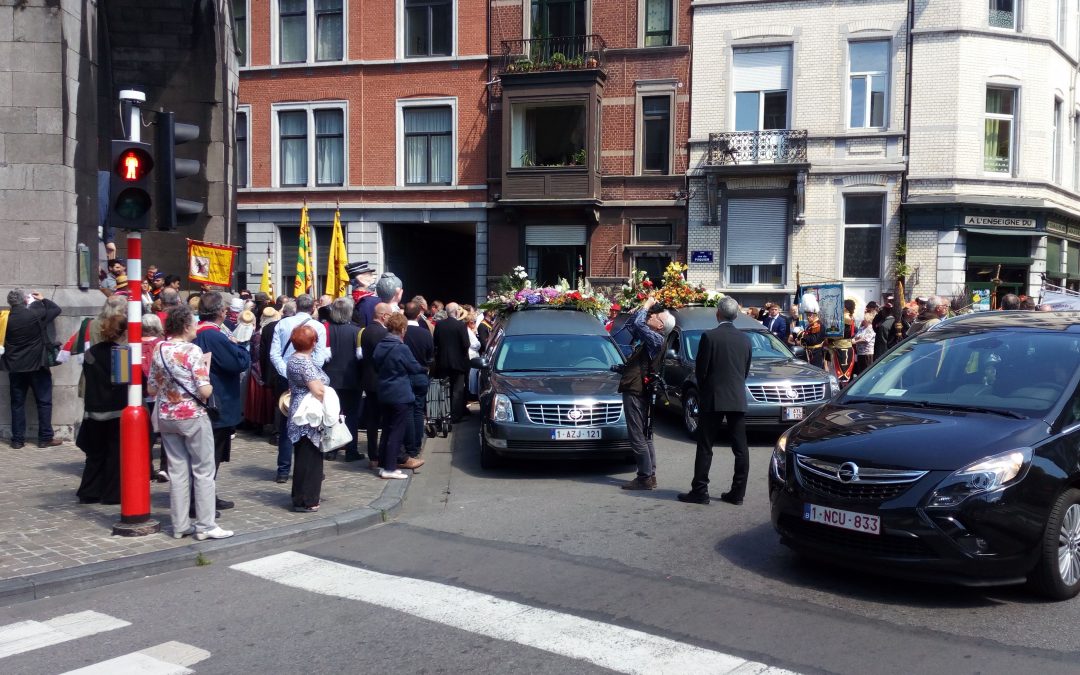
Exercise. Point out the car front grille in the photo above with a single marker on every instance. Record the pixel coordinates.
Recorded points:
(564, 414)
(782, 393)
(873, 486)
(832, 538)
(571, 446)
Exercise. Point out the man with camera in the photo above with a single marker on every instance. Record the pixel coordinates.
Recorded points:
(648, 327)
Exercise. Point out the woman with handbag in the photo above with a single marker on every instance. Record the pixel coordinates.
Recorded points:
(99, 433)
(180, 378)
(305, 377)
(400, 376)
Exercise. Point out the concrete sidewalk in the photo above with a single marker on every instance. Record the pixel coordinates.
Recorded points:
(50, 544)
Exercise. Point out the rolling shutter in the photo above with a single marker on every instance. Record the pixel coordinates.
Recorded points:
(1053, 257)
(766, 69)
(757, 231)
(555, 235)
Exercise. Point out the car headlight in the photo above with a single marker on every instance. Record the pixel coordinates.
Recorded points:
(501, 408)
(834, 384)
(983, 476)
(778, 465)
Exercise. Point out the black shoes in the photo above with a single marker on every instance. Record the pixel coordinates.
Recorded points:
(223, 504)
(15, 445)
(51, 443)
(282, 478)
(730, 498)
(693, 498)
(641, 483)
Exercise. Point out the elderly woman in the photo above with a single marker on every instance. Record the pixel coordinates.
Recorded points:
(400, 377)
(864, 342)
(472, 321)
(180, 378)
(343, 369)
(152, 334)
(99, 434)
(305, 378)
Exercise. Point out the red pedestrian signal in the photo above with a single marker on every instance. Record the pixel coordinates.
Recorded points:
(129, 185)
(133, 165)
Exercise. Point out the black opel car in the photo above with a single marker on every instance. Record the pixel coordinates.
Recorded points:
(955, 458)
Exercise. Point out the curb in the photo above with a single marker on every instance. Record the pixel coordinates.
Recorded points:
(106, 572)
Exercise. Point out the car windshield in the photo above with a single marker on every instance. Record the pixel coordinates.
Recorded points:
(1019, 372)
(556, 352)
(763, 345)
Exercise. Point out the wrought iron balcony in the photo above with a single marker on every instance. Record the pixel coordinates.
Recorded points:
(574, 52)
(774, 146)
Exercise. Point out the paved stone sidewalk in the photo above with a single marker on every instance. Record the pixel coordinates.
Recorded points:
(44, 528)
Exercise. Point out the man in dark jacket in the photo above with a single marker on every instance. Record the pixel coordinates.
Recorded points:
(343, 369)
(776, 323)
(648, 329)
(723, 362)
(24, 358)
(227, 362)
(372, 335)
(418, 339)
(452, 357)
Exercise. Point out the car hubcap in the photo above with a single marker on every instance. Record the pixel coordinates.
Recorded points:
(690, 413)
(1069, 546)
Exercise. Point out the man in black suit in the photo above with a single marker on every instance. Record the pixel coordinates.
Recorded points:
(29, 327)
(452, 357)
(373, 333)
(418, 339)
(723, 362)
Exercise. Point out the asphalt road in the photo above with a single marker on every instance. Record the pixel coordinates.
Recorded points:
(506, 571)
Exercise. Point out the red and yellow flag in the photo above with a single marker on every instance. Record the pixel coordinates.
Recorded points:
(304, 282)
(210, 263)
(337, 279)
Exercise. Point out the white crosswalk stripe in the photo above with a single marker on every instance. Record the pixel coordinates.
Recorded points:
(26, 636)
(168, 658)
(620, 649)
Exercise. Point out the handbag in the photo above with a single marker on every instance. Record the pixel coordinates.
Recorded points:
(336, 436)
(213, 411)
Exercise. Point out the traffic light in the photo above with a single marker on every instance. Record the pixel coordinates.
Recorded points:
(129, 185)
(170, 134)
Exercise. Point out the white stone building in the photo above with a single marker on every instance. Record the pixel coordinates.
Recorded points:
(995, 156)
(797, 145)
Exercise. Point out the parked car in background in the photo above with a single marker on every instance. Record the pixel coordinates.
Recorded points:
(954, 458)
(782, 388)
(547, 389)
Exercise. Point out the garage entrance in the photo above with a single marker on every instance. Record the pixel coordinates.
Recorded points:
(437, 261)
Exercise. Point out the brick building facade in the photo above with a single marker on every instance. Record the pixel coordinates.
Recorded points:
(589, 108)
(373, 107)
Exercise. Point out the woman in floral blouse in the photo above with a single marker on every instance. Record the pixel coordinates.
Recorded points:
(179, 372)
(305, 378)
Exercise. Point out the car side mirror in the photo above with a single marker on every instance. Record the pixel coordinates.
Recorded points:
(799, 351)
(480, 363)
(672, 354)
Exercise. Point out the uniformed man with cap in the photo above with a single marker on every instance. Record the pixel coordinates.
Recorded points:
(363, 279)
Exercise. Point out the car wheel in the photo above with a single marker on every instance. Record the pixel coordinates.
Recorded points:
(1057, 574)
(690, 411)
(488, 458)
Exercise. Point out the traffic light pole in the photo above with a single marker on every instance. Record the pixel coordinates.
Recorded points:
(135, 520)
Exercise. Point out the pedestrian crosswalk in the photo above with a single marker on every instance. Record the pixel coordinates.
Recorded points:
(610, 646)
(168, 658)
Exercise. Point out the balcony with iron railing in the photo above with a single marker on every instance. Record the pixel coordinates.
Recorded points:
(573, 52)
(777, 147)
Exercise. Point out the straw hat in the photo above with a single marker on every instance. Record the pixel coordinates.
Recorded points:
(247, 317)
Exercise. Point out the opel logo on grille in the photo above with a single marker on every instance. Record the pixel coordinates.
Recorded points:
(791, 393)
(848, 472)
(575, 414)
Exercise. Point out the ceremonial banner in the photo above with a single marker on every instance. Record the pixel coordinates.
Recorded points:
(304, 282)
(1061, 302)
(337, 279)
(831, 301)
(210, 263)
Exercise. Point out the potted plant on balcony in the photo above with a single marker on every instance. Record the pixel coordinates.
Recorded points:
(558, 60)
(592, 62)
(523, 65)
(577, 62)
(580, 157)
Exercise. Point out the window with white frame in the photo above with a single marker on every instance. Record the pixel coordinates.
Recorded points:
(863, 219)
(310, 30)
(868, 83)
(999, 130)
(239, 12)
(429, 145)
(1003, 13)
(658, 23)
(311, 137)
(656, 134)
(1063, 20)
(429, 28)
(756, 246)
(558, 18)
(1055, 140)
(762, 78)
(242, 150)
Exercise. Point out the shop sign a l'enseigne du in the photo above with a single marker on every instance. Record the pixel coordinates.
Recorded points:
(998, 221)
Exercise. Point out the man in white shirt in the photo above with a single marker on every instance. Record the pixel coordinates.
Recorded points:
(280, 350)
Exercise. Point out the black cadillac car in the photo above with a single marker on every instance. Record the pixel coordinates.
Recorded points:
(956, 458)
(547, 389)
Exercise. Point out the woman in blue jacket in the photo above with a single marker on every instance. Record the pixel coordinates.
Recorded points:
(400, 377)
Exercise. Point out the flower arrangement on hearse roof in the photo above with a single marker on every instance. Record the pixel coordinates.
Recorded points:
(675, 291)
(514, 292)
